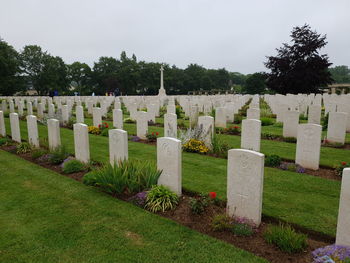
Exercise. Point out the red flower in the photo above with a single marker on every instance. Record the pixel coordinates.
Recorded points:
(236, 127)
(106, 125)
(152, 133)
(343, 163)
(157, 133)
(99, 125)
(212, 195)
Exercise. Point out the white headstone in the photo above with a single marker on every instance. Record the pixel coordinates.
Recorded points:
(142, 124)
(15, 131)
(314, 114)
(65, 114)
(170, 125)
(251, 134)
(343, 226)
(169, 161)
(290, 124)
(79, 114)
(245, 177)
(220, 117)
(118, 118)
(54, 137)
(81, 142)
(32, 127)
(206, 124)
(2, 125)
(29, 108)
(97, 116)
(253, 113)
(337, 127)
(308, 146)
(118, 145)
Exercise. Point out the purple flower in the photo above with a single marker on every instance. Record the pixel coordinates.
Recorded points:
(139, 199)
(135, 138)
(330, 253)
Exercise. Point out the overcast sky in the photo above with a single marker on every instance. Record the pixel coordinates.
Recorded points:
(236, 35)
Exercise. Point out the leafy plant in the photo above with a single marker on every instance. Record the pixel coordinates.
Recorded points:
(241, 229)
(198, 204)
(195, 146)
(233, 130)
(272, 160)
(129, 120)
(73, 166)
(219, 147)
(94, 130)
(70, 123)
(23, 147)
(266, 121)
(221, 222)
(152, 137)
(130, 176)
(339, 168)
(237, 119)
(285, 237)
(336, 253)
(37, 153)
(269, 136)
(325, 122)
(139, 199)
(58, 155)
(4, 141)
(105, 132)
(160, 198)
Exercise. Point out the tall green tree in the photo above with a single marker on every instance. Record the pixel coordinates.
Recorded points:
(45, 73)
(10, 78)
(340, 74)
(105, 75)
(80, 77)
(298, 67)
(256, 83)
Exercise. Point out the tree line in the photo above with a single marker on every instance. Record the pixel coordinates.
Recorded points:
(297, 68)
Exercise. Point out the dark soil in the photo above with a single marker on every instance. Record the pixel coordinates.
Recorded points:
(254, 244)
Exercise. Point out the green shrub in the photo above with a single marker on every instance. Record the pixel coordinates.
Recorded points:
(4, 141)
(285, 237)
(199, 204)
(290, 139)
(23, 147)
(178, 111)
(181, 124)
(325, 122)
(266, 121)
(37, 153)
(241, 229)
(221, 222)
(69, 124)
(272, 160)
(131, 176)
(268, 136)
(278, 124)
(129, 120)
(58, 155)
(237, 119)
(160, 198)
(104, 132)
(73, 166)
(219, 146)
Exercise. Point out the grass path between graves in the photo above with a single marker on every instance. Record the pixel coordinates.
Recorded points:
(46, 217)
(329, 156)
(308, 201)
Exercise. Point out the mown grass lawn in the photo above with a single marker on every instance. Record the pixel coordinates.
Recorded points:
(46, 217)
(306, 200)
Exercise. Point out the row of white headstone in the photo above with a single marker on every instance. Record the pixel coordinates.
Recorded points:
(245, 169)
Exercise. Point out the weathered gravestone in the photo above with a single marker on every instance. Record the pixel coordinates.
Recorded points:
(79, 114)
(290, 124)
(343, 226)
(220, 117)
(170, 125)
(32, 127)
(251, 134)
(245, 177)
(336, 130)
(96, 116)
(308, 146)
(118, 118)
(206, 124)
(81, 142)
(169, 161)
(15, 131)
(54, 137)
(314, 114)
(118, 145)
(2, 124)
(142, 124)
